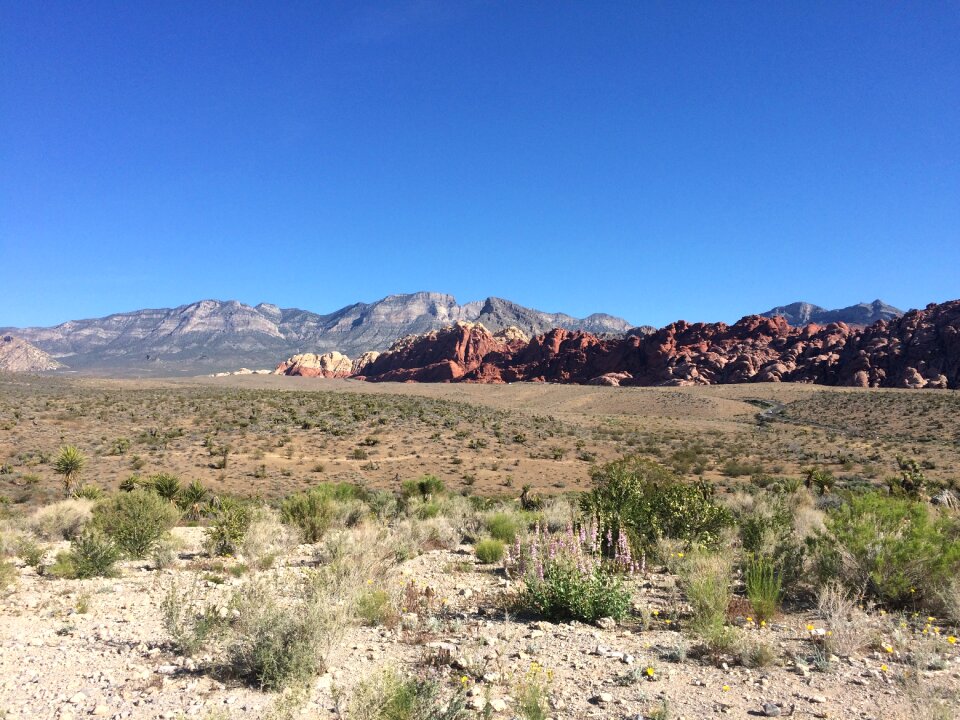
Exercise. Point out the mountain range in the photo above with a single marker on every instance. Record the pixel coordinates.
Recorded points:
(804, 313)
(216, 335)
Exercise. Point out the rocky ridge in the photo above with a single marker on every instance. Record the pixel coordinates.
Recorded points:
(920, 349)
(17, 355)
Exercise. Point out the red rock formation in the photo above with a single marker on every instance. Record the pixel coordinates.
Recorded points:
(438, 356)
(919, 349)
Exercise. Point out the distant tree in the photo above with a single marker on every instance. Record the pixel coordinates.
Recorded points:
(69, 464)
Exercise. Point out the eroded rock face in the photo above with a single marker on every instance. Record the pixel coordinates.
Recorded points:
(328, 365)
(921, 349)
(437, 356)
(17, 355)
(361, 362)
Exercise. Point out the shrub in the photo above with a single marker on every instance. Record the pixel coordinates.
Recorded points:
(427, 486)
(136, 520)
(92, 554)
(389, 696)
(565, 577)
(894, 550)
(503, 526)
(706, 579)
(375, 607)
(62, 520)
(645, 501)
(531, 694)
(274, 644)
(8, 575)
(190, 623)
(490, 550)
(228, 525)
(849, 625)
(31, 552)
(764, 586)
(312, 512)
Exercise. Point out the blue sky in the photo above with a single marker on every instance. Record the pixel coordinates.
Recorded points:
(652, 160)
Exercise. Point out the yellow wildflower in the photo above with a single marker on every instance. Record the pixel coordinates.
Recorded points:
(952, 640)
(726, 688)
(650, 671)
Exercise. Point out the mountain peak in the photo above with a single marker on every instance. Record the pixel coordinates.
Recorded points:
(804, 313)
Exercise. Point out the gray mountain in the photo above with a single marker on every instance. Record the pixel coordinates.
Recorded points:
(804, 313)
(215, 335)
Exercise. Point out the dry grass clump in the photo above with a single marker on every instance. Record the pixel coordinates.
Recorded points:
(266, 538)
(62, 520)
(849, 625)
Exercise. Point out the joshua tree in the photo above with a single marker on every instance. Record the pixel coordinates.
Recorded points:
(69, 464)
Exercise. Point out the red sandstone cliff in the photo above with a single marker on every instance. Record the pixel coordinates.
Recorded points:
(920, 349)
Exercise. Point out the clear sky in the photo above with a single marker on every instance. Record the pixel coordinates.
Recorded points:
(652, 160)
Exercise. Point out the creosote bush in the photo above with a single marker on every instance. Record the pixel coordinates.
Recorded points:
(311, 512)
(894, 550)
(489, 550)
(135, 520)
(91, 554)
(646, 501)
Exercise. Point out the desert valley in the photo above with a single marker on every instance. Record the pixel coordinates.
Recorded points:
(320, 540)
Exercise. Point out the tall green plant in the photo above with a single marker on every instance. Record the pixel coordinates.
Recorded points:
(69, 465)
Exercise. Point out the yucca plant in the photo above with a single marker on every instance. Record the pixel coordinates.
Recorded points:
(166, 486)
(192, 499)
(69, 463)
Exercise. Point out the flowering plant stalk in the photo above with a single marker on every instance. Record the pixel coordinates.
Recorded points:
(565, 575)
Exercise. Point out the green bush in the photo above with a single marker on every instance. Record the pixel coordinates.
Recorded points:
(8, 575)
(895, 550)
(229, 523)
(389, 696)
(568, 593)
(312, 512)
(764, 586)
(273, 644)
(647, 502)
(503, 526)
(135, 520)
(374, 607)
(489, 550)
(426, 487)
(88, 492)
(92, 554)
